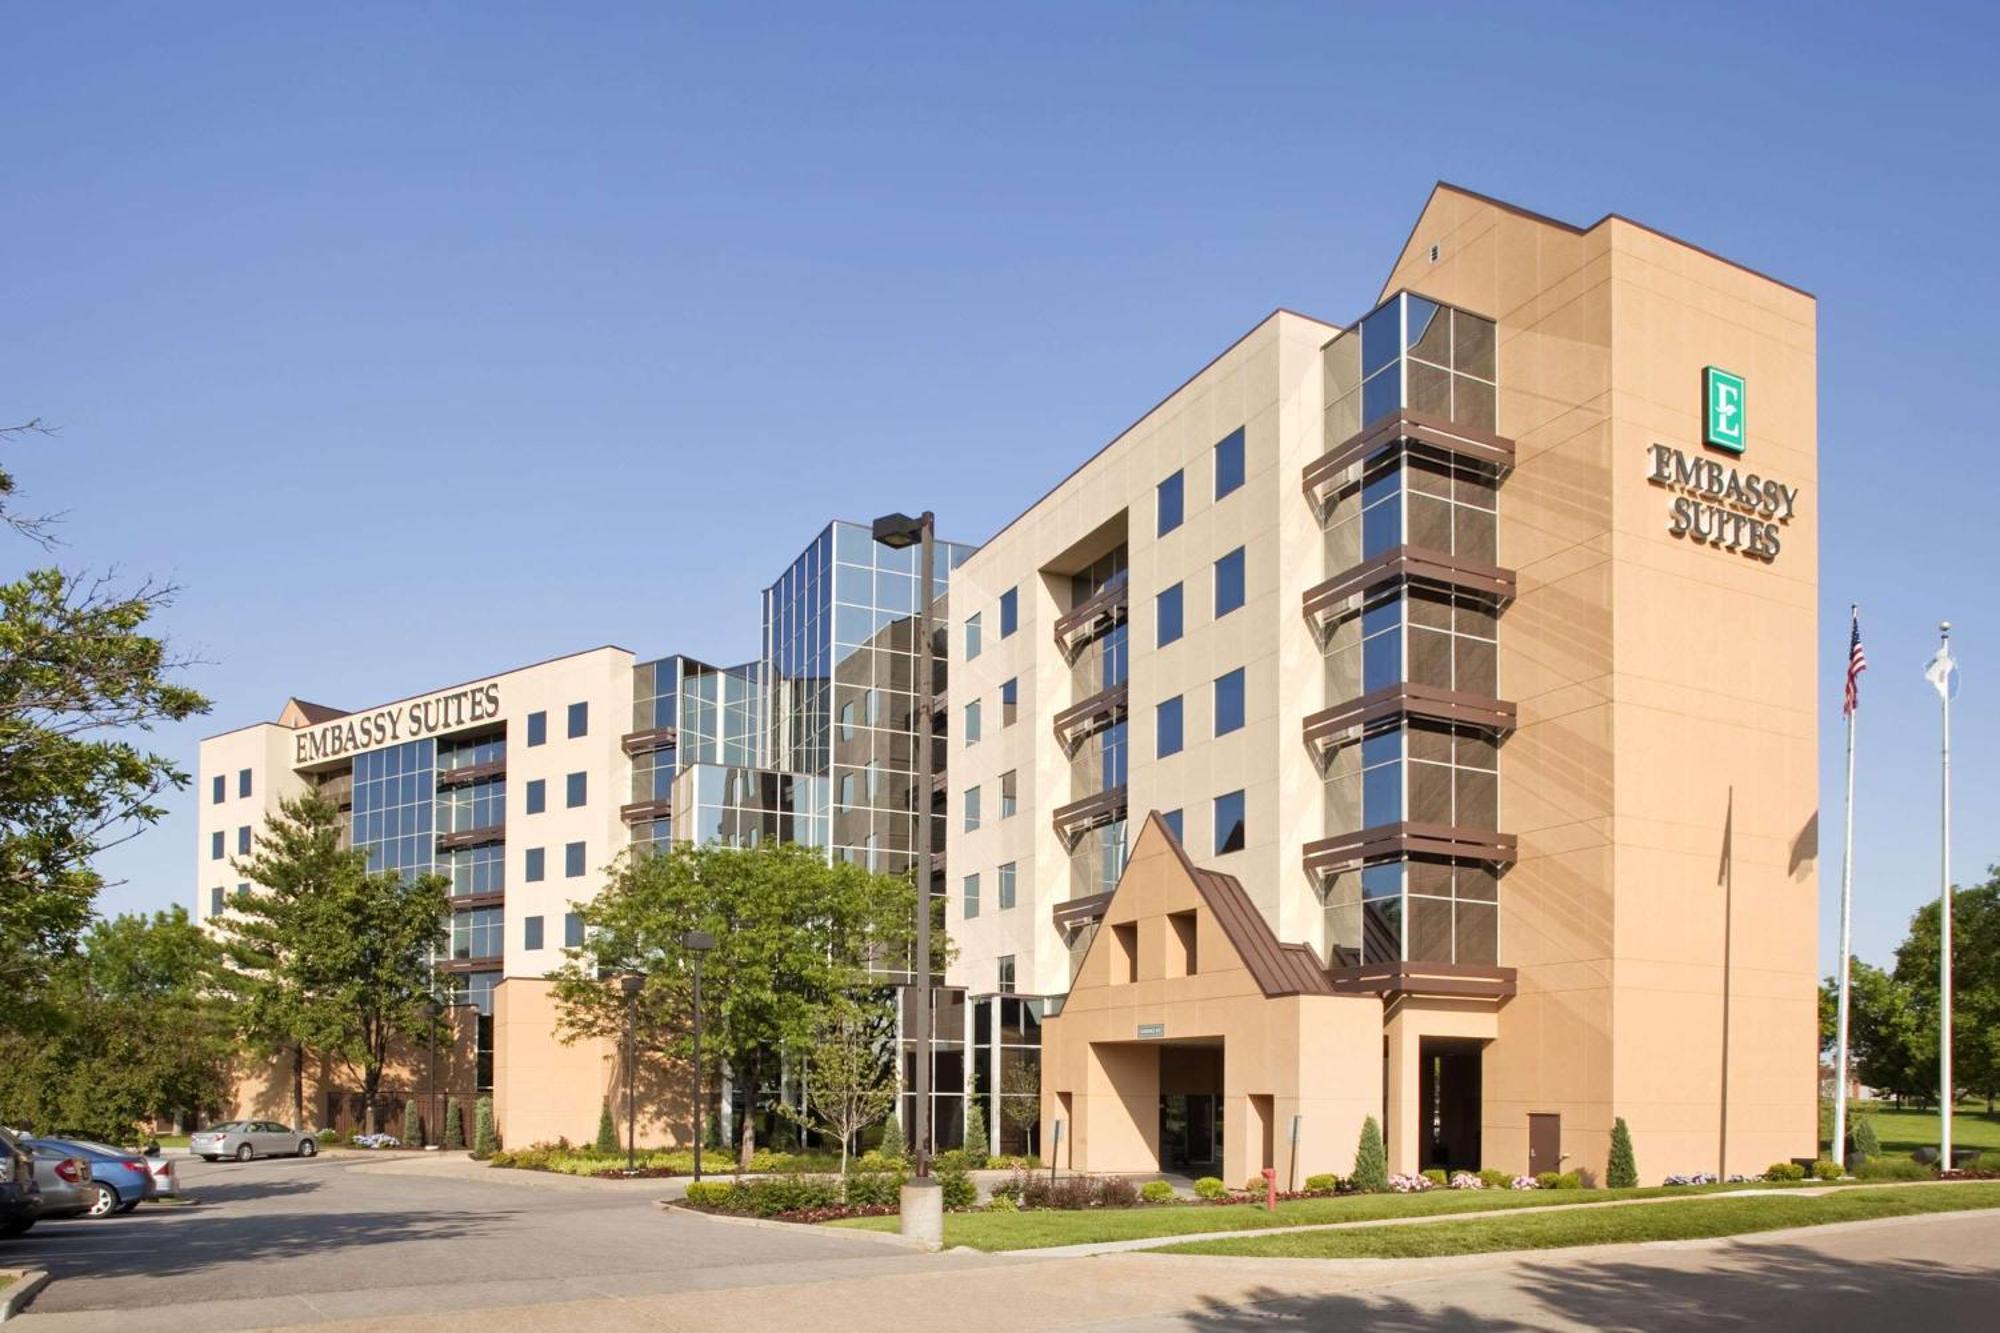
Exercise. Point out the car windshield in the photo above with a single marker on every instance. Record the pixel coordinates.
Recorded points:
(226, 1127)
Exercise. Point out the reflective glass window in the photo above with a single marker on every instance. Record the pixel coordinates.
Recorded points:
(531, 932)
(1007, 890)
(1010, 701)
(1167, 727)
(572, 931)
(972, 723)
(537, 795)
(538, 728)
(1172, 819)
(1009, 793)
(973, 646)
(576, 790)
(971, 809)
(1229, 702)
(579, 720)
(1229, 463)
(215, 845)
(573, 864)
(1167, 612)
(969, 896)
(243, 782)
(218, 786)
(1010, 612)
(1229, 830)
(1169, 497)
(1229, 583)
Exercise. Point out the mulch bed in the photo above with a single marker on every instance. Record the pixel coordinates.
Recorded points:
(640, 1173)
(810, 1215)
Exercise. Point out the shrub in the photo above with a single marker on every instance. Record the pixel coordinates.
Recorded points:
(484, 1140)
(765, 1198)
(891, 1146)
(1255, 1185)
(1783, 1171)
(1208, 1187)
(1371, 1159)
(1117, 1192)
(1569, 1180)
(1524, 1183)
(866, 1188)
(607, 1130)
(1403, 1184)
(1159, 1191)
(1867, 1144)
(1494, 1180)
(1892, 1168)
(709, 1193)
(1824, 1169)
(1325, 1183)
(976, 1141)
(1465, 1180)
(411, 1133)
(1623, 1171)
(959, 1191)
(1546, 1180)
(1013, 1187)
(1003, 1203)
(327, 1136)
(1436, 1176)
(454, 1125)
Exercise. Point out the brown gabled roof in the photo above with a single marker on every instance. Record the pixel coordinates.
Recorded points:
(1277, 967)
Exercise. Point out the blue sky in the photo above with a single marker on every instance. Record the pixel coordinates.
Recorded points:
(324, 300)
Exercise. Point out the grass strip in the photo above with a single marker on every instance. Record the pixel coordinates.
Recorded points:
(1043, 1228)
(1694, 1220)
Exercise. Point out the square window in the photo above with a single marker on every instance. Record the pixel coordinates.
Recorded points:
(531, 933)
(579, 720)
(243, 841)
(243, 782)
(538, 795)
(215, 901)
(972, 723)
(219, 788)
(576, 790)
(973, 646)
(215, 845)
(1006, 886)
(1009, 793)
(1167, 611)
(538, 728)
(1229, 833)
(533, 870)
(1229, 583)
(1229, 702)
(1172, 819)
(1167, 727)
(572, 931)
(1229, 463)
(573, 860)
(1169, 497)
(1010, 612)
(1010, 701)
(970, 897)
(971, 809)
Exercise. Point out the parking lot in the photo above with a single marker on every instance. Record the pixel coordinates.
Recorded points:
(348, 1236)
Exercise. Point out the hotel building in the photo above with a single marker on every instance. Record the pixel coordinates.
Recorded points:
(1411, 716)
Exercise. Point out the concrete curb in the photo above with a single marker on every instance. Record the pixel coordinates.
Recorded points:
(889, 1238)
(23, 1290)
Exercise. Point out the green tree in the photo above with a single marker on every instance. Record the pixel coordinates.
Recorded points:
(849, 1082)
(1975, 993)
(454, 1125)
(1622, 1173)
(607, 1130)
(1867, 1143)
(483, 1139)
(892, 1145)
(80, 679)
(1371, 1159)
(978, 1139)
(1883, 1031)
(137, 1033)
(792, 933)
(1021, 1096)
(413, 1133)
(330, 957)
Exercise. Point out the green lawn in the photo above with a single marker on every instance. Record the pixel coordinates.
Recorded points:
(1607, 1226)
(1042, 1228)
(1904, 1131)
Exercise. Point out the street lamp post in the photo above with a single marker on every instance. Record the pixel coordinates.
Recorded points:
(432, 1010)
(922, 1203)
(629, 985)
(697, 943)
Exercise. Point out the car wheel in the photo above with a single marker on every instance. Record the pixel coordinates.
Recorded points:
(244, 1154)
(307, 1147)
(104, 1200)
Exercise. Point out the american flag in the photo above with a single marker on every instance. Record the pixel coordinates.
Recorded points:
(1857, 662)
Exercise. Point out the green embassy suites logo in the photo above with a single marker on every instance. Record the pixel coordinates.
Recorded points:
(1722, 412)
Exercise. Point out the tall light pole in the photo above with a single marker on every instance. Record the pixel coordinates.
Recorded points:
(697, 943)
(629, 985)
(1939, 672)
(432, 1010)
(922, 1203)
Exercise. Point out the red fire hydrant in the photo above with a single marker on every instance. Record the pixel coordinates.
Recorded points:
(1270, 1190)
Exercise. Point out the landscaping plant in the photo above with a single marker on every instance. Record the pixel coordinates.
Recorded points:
(891, 1146)
(483, 1140)
(1785, 1171)
(1156, 1191)
(1325, 1183)
(1210, 1187)
(1622, 1173)
(607, 1131)
(1371, 1160)
(454, 1125)
(1867, 1144)
(412, 1135)
(977, 1144)
(1825, 1169)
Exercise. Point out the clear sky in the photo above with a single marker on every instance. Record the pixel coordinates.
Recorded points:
(327, 300)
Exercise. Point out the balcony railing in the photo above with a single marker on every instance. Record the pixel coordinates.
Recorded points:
(1078, 912)
(1349, 851)
(638, 812)
(472, 837)
(1341, 597)
(1077, 818)
(1099, 613)
(471, 773)
(1079, 722)
(1416, 432)
(644, 742)
(1332, 728)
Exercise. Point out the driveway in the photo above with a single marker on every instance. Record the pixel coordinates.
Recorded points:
(347, 1236)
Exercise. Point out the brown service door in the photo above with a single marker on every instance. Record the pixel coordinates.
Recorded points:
(1544, 1143)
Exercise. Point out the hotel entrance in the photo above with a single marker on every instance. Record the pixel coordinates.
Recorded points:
(1448, 1100)
(1190, 1133)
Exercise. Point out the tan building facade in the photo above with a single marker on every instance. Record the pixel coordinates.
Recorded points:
(1474, 642)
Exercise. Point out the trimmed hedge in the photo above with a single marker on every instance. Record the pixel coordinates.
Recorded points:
(1156, 1191)
(1210, 1187)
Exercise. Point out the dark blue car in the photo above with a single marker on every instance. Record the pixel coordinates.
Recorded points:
(120, 1180)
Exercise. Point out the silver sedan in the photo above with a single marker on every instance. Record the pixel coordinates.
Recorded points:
(245, 1139)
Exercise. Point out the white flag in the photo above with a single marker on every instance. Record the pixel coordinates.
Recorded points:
(1939, 671)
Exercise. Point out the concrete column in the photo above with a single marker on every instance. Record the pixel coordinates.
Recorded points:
(1402, 1130)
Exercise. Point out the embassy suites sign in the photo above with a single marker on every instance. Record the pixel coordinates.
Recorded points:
(1722, 504)
(447, 711)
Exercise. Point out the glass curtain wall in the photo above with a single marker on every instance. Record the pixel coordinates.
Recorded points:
(1101, 762)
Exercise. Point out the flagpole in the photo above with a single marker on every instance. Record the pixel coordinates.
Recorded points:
(1846, 913)
(1945, 1098)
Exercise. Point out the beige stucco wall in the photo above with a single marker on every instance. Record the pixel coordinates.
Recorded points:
(545, 1089)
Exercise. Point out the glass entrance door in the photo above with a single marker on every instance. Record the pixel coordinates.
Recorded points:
(1190, 1131)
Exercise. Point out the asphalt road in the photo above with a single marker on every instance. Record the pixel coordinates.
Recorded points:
(291, 1241)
